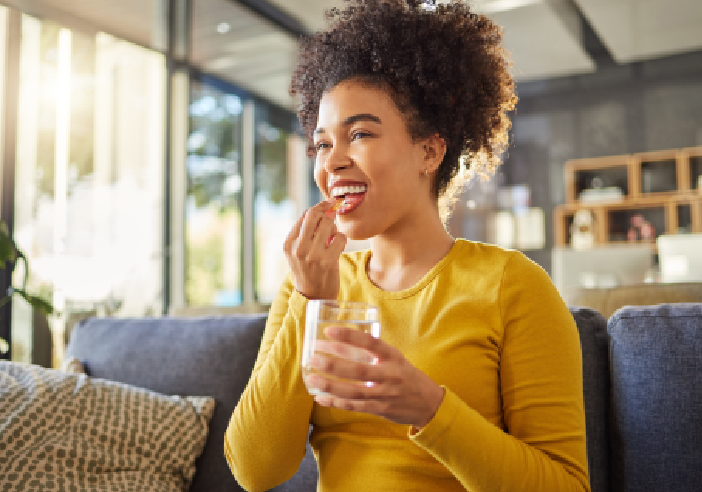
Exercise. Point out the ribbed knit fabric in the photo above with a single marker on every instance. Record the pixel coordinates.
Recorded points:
(485, 323)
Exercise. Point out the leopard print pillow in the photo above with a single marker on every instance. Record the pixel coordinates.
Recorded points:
(73, 365)
(71, 432)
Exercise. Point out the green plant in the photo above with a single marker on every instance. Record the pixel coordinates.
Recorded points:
(9, 253)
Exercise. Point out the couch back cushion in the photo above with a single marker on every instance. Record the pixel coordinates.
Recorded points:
(656, 368)
(592, 328)
(206, 356)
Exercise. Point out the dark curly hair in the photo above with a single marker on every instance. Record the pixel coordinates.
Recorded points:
(443, 66)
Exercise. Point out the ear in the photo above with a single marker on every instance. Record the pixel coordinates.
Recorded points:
(434, 151)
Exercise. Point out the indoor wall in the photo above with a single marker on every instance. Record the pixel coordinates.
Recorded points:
(639, 107)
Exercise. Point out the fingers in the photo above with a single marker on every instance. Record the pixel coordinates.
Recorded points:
(315, 218)
(320, 208)
(338, 393)
(352, 360)
(344, 351)
(313, 248)
(312, 232)
(323, 235)
(337, 244)
(364, 341)
(294, 233)
(352, 373)
(372, 406)
(407, 396)
(393, 388)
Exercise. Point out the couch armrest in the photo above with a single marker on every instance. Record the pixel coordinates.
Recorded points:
(594, 342)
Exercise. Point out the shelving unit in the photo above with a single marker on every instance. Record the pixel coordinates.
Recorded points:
(663, 187)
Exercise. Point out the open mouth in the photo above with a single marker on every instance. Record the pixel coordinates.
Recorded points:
(348, 198)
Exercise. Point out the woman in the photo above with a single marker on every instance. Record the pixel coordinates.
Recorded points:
(478, 385)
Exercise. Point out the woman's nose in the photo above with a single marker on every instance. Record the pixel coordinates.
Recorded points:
(337, 159)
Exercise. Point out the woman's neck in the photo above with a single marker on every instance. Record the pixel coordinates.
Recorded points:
(399, 259)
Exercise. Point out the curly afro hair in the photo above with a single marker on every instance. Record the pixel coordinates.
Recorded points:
(442, 65)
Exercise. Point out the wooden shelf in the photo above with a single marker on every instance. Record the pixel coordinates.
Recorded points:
(670, 175)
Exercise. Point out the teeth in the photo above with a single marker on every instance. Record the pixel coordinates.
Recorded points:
(345, 190)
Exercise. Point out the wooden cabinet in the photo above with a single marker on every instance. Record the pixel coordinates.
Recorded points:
(661, 189)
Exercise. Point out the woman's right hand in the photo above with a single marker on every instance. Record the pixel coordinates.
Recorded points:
(313, 248)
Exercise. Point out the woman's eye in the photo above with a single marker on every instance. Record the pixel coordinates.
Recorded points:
(321, 145)
(357, 135)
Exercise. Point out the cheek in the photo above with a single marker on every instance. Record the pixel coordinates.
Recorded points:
(320, 175)
(384, 164)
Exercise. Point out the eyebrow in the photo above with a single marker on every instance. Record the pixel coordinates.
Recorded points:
(353, 119)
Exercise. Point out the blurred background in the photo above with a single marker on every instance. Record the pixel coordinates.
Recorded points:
(152, 162)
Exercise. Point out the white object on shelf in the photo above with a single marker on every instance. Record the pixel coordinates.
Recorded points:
(680, 257)
(582, 231)
(504, 229)
(610, 194)
(524, 229)
(530, 229)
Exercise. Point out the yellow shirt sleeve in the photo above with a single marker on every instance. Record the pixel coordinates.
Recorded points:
(541, 388)
(267, 434)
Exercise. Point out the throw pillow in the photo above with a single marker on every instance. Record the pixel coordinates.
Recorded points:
(61, 431)
(73, 365)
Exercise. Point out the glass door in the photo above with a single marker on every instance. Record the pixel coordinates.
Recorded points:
(89, 180)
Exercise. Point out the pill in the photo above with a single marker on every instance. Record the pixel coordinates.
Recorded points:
(339, 203)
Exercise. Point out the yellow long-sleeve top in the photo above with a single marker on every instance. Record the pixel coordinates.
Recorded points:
(485, 323)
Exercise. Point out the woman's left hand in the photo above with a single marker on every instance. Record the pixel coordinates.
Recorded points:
(399, 391)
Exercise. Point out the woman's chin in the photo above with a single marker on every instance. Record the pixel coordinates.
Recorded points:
(354, 232)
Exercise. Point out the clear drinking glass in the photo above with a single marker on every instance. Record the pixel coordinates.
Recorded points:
(322, 314)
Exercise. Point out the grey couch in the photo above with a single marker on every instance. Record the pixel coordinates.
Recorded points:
(642, 375)
(642, 387)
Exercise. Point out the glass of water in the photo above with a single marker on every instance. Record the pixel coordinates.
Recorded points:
(322, 314)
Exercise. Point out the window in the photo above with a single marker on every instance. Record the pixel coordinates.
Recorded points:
(213, 209)
(89, 178)
(94, 142)
(274, 210)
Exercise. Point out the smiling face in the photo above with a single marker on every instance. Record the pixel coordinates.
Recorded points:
(366, 155)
